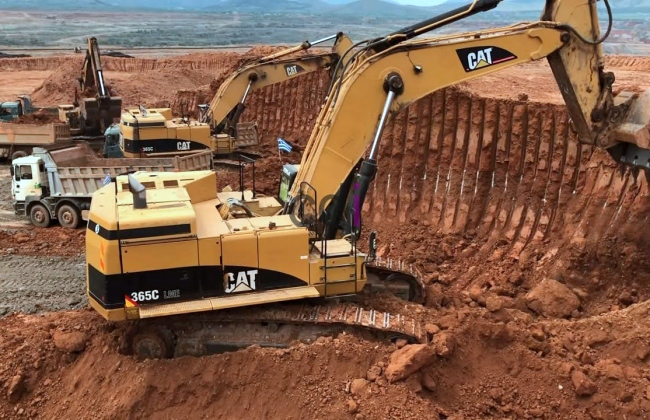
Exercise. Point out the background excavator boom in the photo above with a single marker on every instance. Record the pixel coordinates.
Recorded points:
(228, 103)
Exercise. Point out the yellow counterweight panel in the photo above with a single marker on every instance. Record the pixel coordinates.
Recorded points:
(209, 251)
(159, 256)
(285, 251)
(180, 133)
(152, 133)
(239, 250)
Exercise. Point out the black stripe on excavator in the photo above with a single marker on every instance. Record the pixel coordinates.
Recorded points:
(180, 284)
(161, 146)
(149, 232)
(144, 124)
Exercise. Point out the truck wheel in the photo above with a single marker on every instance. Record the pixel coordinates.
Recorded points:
(18, 154)
(68, 216)
(40, 216)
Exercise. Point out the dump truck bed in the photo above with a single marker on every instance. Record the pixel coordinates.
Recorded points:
(76, 171)
(32, 134)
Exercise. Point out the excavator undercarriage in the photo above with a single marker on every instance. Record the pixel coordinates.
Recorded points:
(272, 325)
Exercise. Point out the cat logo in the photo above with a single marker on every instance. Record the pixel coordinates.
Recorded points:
(183, 145)
(293, 69)
(243, 281)
(481, 57)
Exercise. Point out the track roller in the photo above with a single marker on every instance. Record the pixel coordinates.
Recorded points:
(153, 342)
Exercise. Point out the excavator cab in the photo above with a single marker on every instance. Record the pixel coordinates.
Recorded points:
(289, 172)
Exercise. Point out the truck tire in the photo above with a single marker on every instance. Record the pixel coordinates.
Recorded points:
(68, 216)
(18, 154)
(40, 216)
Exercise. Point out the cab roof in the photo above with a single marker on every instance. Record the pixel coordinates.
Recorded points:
(27, 160)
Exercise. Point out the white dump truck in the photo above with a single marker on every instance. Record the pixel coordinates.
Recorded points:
(57, 183)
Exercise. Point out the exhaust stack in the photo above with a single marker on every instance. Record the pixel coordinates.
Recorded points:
(139, 193)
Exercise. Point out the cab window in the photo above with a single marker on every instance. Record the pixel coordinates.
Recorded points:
(25, 172)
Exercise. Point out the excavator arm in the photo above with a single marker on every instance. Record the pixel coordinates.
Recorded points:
(332, 173)
(228, 104)
(101, 110)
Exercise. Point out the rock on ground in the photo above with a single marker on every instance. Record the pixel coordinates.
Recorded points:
(552, 299)
(408, 360)
(72, 342)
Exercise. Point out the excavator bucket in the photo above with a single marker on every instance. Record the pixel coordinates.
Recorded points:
(246, 135)
(90, 108)
(634, 133)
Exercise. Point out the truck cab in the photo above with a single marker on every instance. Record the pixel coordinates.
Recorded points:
(28, 180)
(14, 109)
(113, 142)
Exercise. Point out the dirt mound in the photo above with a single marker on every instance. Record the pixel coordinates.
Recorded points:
(68, 364)
(59, 88)
(497, 195)
(147, 88)
(137, 81)
(40, 117)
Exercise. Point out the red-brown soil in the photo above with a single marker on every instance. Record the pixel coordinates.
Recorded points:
(532, 247)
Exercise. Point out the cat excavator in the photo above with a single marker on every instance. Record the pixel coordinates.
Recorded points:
(154, 132)
(91, 117)
(195, 271)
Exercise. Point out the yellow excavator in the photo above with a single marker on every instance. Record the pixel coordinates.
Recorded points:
(153, 132)
(196, 271)
(91, 116)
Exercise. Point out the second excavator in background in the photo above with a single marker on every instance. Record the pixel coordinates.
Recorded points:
(91, 116)
(154, 132)
(235, 257)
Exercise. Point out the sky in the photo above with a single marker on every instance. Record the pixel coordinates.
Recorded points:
(421, 2)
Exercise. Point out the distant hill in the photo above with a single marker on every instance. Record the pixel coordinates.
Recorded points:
(269, 6)
(380, 9)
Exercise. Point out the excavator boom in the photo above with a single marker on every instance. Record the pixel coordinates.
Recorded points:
(229, 100)
(381, 84)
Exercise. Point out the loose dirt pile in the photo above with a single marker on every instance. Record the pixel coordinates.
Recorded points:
(40, 117)
(137, 81)
(531, 245)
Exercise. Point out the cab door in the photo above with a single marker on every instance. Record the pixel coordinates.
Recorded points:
(22, 182)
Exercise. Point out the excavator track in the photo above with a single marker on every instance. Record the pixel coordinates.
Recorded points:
(398, 277)
(272, 325)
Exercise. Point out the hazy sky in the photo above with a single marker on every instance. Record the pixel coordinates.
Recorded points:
(421, 2)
